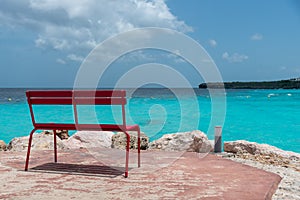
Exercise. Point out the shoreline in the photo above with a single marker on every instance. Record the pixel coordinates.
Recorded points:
(274, 148)
(3, 143)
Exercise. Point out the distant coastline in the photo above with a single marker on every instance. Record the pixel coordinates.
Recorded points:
(281, 84)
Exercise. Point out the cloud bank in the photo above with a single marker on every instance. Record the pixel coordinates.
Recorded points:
(74, 26)
(234, 58)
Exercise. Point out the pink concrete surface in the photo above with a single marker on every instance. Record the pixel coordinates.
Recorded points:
(98, 174)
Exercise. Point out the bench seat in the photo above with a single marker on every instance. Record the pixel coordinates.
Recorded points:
(86, 127)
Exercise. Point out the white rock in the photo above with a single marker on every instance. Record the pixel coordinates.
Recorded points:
(119, 140)
(194, 141)
(89, 139)
(40, 141)
(242, 146)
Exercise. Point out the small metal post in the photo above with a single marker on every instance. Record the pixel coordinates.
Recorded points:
(218, 139)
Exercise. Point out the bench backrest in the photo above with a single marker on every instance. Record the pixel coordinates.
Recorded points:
(76, 97)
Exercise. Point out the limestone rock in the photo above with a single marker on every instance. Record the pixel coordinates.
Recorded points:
(194, 141)
(40, 141)
(89, 139)
(119, 140)
(263, 153)
(2, 145)
(242, 146)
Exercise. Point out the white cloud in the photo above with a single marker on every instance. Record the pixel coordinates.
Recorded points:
(137, 56)
(177, 52)
(77, 26)
(234, 57)
(151, 56)
(40, 42)
(74, 57)
(212, 43)
(61, 61)
(175, 57)
(257, 36)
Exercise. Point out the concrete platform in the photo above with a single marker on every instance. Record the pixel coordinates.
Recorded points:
(98, 174)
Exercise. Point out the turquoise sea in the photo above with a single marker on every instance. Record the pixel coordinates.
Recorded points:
(263, 116)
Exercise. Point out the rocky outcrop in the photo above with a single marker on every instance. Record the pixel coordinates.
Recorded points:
(40, 141)
(89, 139)
(2, 145)
(263, 153)
(62, 134)
(45, 141)
(242, 146)
(119, 140)
(194, 141)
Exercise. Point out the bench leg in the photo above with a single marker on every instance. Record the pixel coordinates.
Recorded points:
(139, 148)
(55, 148)
(127, 154)
(28, 149)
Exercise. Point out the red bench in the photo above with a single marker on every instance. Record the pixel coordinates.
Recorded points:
(80, 97)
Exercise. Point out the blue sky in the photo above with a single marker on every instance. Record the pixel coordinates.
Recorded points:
(42, 43)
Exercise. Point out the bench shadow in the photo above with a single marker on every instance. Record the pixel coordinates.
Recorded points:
(79, 169)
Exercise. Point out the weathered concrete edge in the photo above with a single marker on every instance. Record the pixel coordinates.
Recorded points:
(274, 187)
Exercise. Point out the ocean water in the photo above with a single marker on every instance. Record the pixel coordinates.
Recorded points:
(264, 116)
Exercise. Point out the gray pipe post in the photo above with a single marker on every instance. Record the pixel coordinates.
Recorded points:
(218, 139)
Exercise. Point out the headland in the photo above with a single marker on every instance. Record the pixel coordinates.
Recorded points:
(281, 84)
